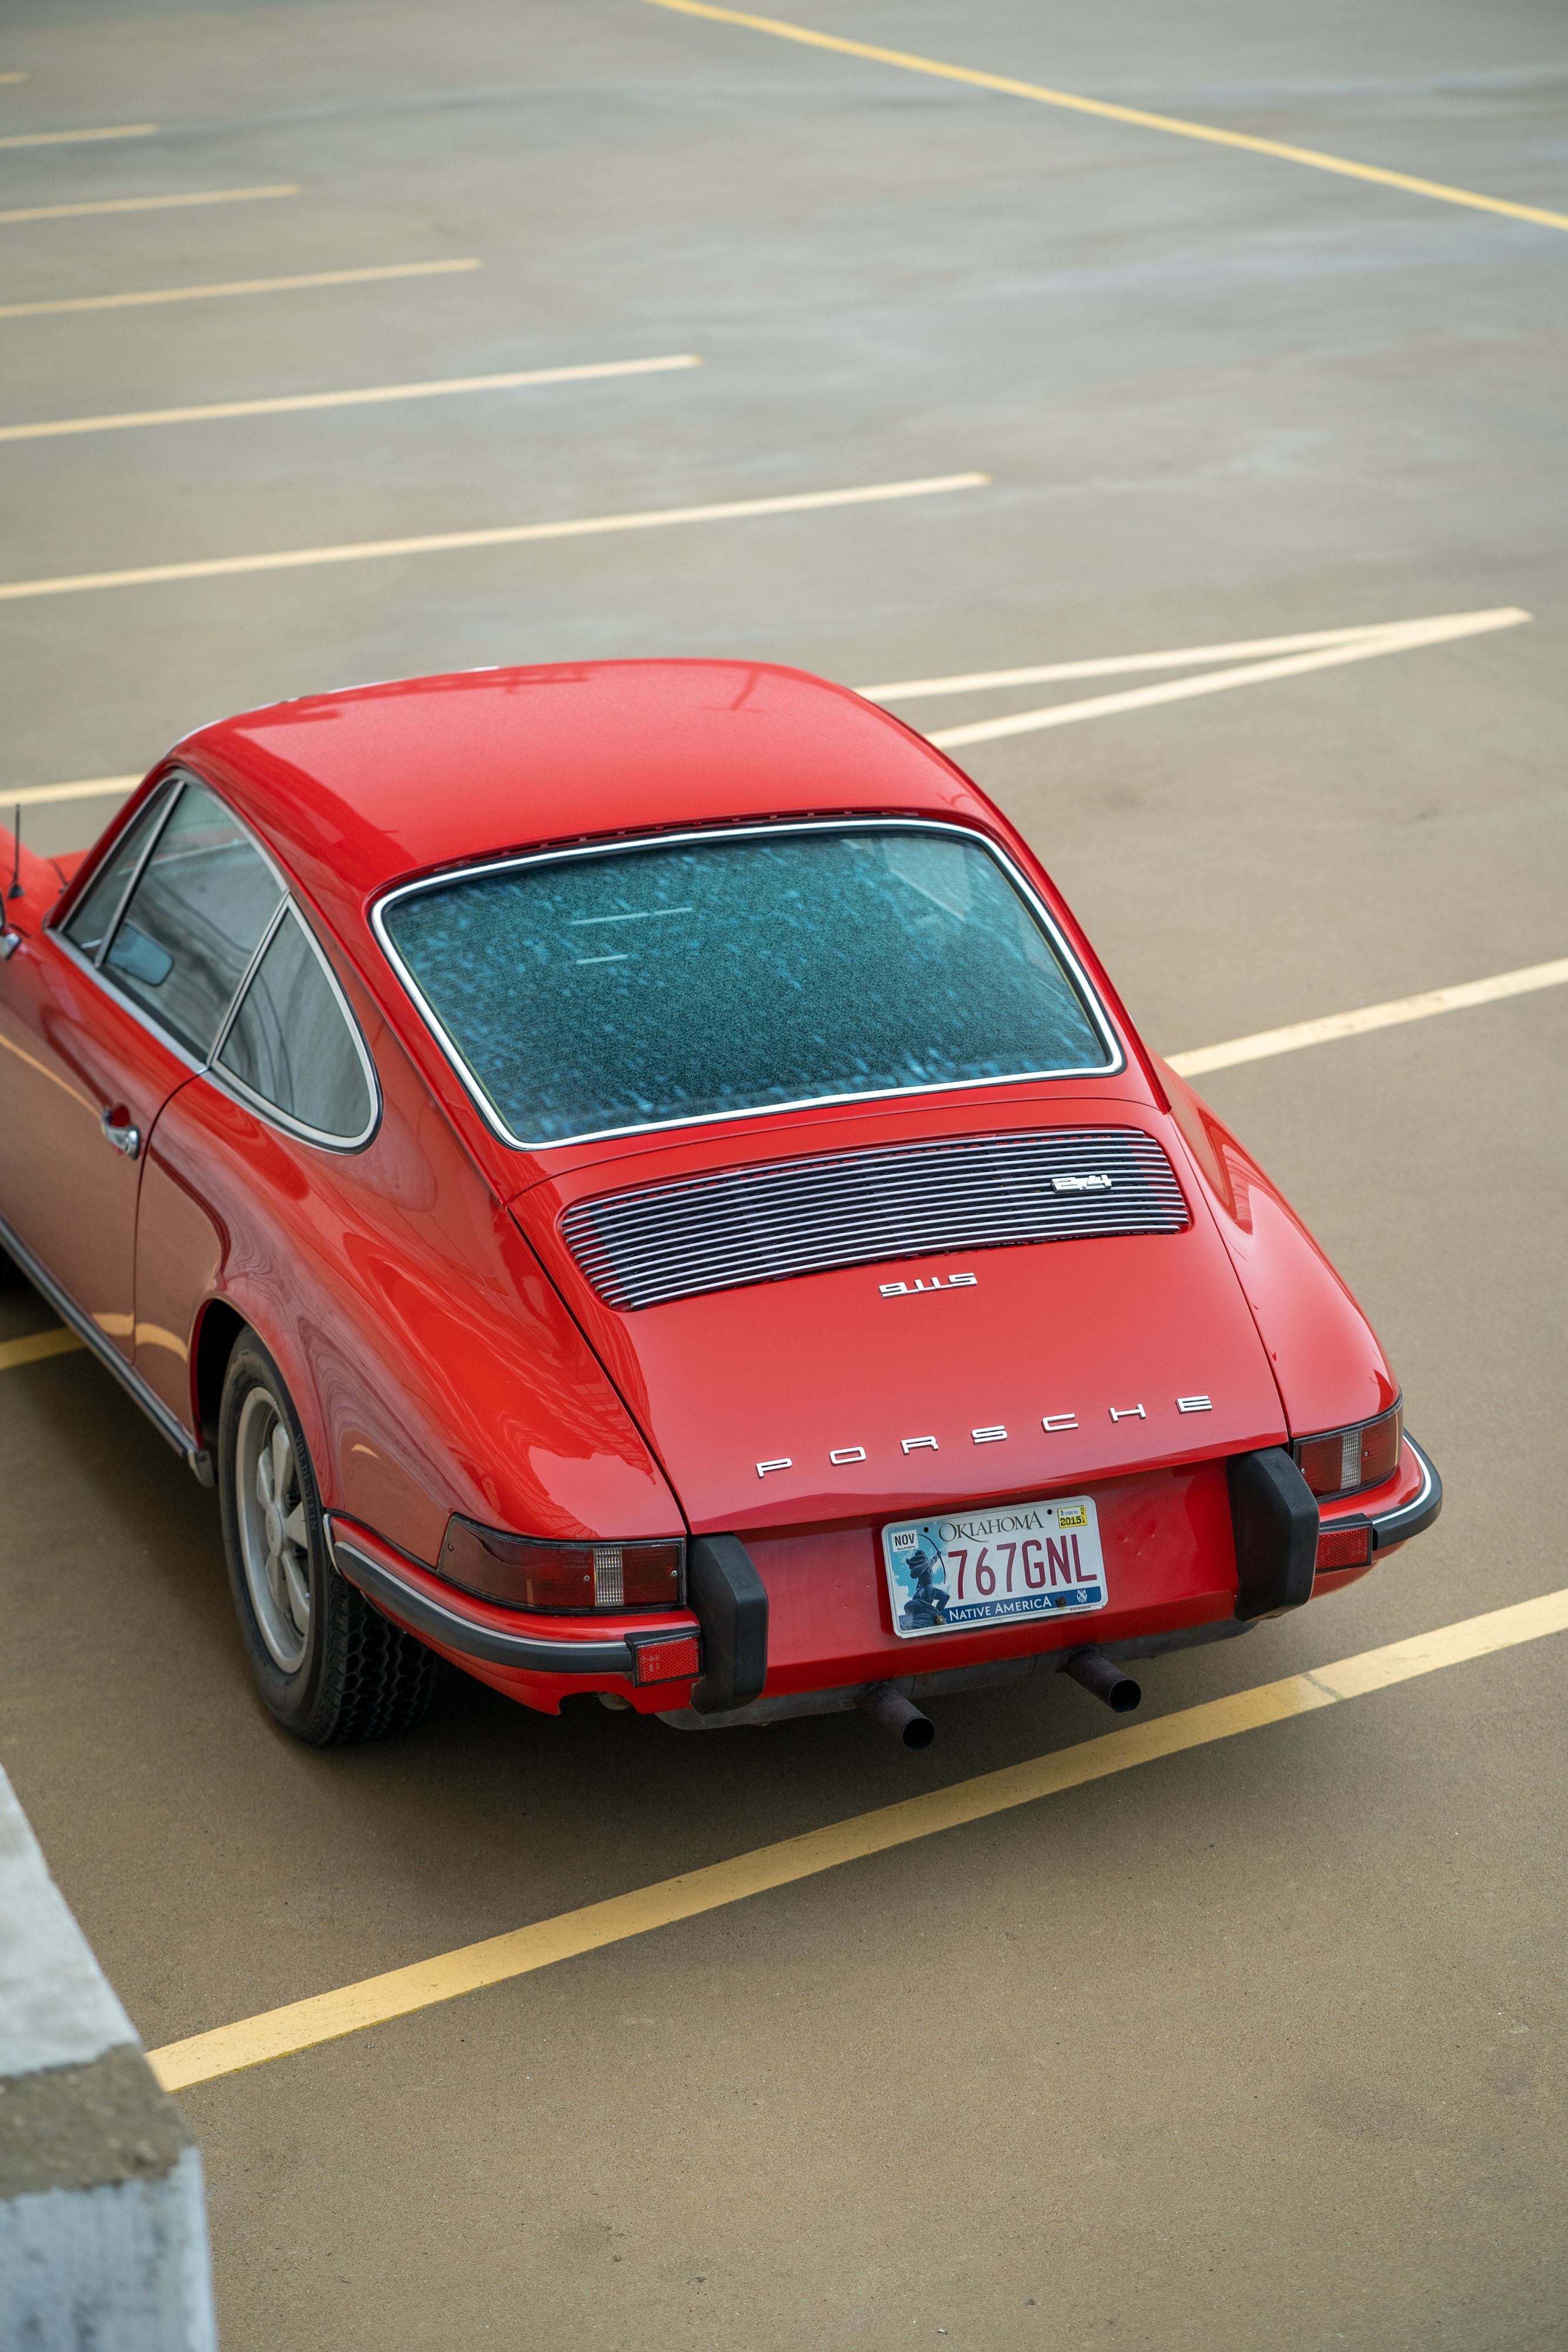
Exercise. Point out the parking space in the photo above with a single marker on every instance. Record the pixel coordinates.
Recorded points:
(1262, 2040)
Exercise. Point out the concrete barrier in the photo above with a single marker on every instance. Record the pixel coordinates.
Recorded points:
(103, 2224)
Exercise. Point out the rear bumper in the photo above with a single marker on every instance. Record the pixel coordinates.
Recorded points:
(830, 1636)
(1412, 1517)
(979, 1676)
(1409, 1504)
(464, 1632)
(537, 1660)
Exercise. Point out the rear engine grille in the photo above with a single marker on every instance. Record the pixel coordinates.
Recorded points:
(661, 1242)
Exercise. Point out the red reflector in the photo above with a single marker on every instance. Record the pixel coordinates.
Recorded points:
(670, 1662)
(1344, 1547)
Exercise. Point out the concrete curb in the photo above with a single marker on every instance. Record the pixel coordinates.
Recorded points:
(103, 2228)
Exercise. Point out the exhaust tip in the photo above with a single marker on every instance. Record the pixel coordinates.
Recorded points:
(890, 1708)
(1105, 1679)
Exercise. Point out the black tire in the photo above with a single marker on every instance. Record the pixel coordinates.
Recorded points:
(330, 1669)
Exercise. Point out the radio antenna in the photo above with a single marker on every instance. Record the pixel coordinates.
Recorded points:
(16, 890)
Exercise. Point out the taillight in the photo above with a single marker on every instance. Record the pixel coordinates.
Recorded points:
(523, 1573)
(1343, 1461)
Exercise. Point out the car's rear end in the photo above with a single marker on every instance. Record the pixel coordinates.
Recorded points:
(957, 1357)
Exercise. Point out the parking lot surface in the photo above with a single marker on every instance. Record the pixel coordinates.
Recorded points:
(1261, 2042)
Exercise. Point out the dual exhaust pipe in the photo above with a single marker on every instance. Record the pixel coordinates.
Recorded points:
(1104, 1678)
(903, 1721)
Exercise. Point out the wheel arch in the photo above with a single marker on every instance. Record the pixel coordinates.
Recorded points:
(218, 1327)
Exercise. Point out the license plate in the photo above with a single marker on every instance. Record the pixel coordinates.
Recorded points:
(996, 1567)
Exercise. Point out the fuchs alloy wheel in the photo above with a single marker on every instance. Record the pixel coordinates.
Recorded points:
(329, 1667)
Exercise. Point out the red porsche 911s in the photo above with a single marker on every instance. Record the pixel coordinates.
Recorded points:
(630, 1179)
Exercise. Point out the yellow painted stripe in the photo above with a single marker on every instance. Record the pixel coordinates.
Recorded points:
(12, 76)
(288, 404)
(74, 138)
(507, 535)
(146, 204)
(36, 1347)
(1371, 645)
(235, 286)
(302, 2024)
(1265, 1042)
(1172, 125)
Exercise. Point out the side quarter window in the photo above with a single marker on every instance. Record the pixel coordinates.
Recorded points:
(293, 1045)
(92, 922)
(192, 922)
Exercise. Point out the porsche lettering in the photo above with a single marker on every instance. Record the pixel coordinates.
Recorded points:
(995, 1432)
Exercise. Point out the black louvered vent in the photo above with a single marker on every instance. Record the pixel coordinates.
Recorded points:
(644, 1248)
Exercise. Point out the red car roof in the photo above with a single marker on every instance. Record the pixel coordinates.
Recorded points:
(358, 789)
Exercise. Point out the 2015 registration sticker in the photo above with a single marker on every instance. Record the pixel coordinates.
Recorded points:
(994, 1567)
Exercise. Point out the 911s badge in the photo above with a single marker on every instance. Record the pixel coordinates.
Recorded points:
(937, 1282)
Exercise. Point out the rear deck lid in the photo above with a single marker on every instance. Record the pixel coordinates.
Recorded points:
(906, 1320)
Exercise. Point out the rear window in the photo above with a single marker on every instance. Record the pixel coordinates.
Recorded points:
(687, 981)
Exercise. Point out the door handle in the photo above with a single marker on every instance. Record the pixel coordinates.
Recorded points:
(124, 1139)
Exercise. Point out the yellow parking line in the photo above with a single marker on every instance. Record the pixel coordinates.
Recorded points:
(303, 2024)
(1172, 125)
(36, 1347)
(506, 535)
(236, 286)
(74, 138)
(1264, 1043)
(12, 76)
(147, 204)
(288, 404)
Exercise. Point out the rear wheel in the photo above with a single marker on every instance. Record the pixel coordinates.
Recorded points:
(328, 1666)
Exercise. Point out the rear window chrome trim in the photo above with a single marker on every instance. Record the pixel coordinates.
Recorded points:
(1078, 979)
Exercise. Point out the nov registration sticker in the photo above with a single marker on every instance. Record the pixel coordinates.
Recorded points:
(994, 1567)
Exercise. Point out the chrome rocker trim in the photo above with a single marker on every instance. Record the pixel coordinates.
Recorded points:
(196, 1458)
(455, 1630)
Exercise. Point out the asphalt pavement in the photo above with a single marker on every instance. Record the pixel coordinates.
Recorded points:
(1260, 2043)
